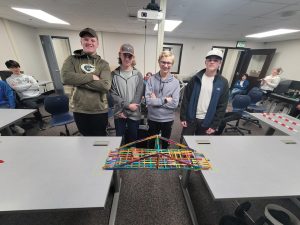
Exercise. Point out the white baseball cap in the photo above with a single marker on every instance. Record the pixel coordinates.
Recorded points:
(215, 52)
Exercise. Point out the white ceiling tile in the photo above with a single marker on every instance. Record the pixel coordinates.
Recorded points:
(219, 19)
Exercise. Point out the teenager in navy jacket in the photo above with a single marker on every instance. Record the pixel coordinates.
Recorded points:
(205, 98)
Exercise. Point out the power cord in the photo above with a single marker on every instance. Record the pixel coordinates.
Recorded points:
(145, 47)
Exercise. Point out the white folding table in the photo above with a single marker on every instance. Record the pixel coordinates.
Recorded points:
(10, 116)
(39, 173)
(247, 167)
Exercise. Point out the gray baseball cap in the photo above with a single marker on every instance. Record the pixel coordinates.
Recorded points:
(127, 48)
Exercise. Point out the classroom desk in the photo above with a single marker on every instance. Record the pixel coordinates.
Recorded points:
(10, 116)
(41, 173)
(247, 167)
(283, 124)
(44, 83)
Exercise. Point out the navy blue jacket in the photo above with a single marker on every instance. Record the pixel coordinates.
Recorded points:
(238, 85)
(218, 103)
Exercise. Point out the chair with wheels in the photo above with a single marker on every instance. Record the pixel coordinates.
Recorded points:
(239, 105)
(58, 107)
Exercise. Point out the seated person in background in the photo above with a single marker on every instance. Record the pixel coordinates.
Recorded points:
(146, 77)
(7, 101)
(27, 89)
(240, 86)
(296, 113)
(298, 108)
(270, 82)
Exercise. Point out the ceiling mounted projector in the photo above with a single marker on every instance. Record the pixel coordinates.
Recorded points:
(146, 14)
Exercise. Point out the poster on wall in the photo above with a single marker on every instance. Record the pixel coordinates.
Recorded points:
(176, 49)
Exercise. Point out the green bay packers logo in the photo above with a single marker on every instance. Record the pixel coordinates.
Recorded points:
(88, 68)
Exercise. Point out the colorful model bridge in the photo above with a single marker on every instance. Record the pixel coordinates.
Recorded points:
(129, 157)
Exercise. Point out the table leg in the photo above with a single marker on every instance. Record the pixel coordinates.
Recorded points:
(117, 188)
(184, 180)
(270, 131)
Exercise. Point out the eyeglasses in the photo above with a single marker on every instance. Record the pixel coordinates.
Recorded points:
(165, 63)
(213, 60)
(127, 55)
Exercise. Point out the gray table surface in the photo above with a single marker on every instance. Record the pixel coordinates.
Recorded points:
(250, 166)
(269, 119)
(54, 172)
(9, 116)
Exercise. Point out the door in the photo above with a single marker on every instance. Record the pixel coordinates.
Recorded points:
(232, 61)
(56, 50)
(256, 63)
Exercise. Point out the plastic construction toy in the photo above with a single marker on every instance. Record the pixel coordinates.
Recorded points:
(129, 157)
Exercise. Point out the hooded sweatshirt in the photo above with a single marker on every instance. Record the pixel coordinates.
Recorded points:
(158, 109)
(87, 96)
(127, 90)
(7, 98)
(25, 85)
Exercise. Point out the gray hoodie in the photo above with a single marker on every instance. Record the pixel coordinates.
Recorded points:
(158, 109)
(127, 90)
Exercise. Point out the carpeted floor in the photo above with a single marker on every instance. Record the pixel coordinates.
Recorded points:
(147, 198)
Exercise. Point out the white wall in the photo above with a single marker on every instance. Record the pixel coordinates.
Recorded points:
(6, 48)
(287, 57)
(22, 43)
(24, 47)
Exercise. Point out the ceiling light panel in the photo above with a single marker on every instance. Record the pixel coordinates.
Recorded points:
(39, 14)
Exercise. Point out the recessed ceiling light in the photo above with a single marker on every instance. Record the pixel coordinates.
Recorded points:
(41, 15)
(170, 25)
(272, 33)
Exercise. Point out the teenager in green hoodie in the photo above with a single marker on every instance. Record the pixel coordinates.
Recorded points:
(89, 75)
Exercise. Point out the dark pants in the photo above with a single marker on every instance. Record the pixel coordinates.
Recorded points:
(229, 116)
(91, 124)
(155, 128)
(194, 128)
(127, 128)
(34, 103)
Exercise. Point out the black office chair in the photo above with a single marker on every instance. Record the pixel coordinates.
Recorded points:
(256, 96)
(58, 107)
(4, 74)
(239, 105)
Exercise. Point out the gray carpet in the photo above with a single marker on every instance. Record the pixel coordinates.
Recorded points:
(147, 198)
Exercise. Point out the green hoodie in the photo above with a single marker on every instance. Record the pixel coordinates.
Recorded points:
(88, 96)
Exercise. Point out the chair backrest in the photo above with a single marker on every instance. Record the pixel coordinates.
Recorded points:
(4, 74)
(255, 95)
(57, 104)
(283, 87)
(240, 103)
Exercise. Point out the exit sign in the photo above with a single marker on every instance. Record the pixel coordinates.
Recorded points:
(241, 44)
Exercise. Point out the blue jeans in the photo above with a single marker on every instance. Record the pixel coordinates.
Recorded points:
(236, 91)
(131, 133)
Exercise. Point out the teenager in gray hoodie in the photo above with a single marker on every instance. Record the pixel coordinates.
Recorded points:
(162, 97)
(127, 91)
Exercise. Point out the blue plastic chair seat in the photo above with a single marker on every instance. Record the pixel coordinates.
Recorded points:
(62, 119)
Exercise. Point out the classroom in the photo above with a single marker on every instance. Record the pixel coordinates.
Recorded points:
(136, 80)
